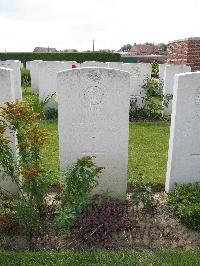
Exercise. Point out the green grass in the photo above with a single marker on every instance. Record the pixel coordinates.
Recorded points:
(148, 145)
(90, 258)
(50, 154)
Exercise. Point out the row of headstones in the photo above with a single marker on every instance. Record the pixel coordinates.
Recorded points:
(43, 76)
(99, 126)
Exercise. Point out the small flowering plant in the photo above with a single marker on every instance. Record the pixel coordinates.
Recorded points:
(26, 171)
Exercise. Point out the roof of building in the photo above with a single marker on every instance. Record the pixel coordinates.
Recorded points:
(44, 50)
(144, 48)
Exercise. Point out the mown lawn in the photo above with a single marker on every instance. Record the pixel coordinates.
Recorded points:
(148, 145)
(91, 258)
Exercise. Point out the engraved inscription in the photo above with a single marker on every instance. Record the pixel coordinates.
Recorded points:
(136, 73)
(93, 95)
(197, 97)
(94, 149)
(94, 75)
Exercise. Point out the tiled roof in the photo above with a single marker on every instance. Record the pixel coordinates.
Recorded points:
(44, 50)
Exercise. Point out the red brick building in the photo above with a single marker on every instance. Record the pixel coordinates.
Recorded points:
(145, 49)
(186, 51)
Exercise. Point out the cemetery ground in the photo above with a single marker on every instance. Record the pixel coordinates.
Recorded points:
(148, 145)
(150, 235)
(95, 258)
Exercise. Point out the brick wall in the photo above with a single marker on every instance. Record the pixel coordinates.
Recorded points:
(185, 51)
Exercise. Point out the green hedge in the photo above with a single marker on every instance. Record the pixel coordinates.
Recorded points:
(78, 57)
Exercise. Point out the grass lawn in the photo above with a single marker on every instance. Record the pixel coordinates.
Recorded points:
(148, 145)
(100, 258)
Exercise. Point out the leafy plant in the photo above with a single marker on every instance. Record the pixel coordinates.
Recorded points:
(39, 106)
(6, 213)
(166, 99)
(25, 78)
(78, 182)
(146, 197)
(97, 225)
(155, 70)
(184, 201)
(51, 113)
(26, 214)
(153, 106)
(153, 87)
(33, 182)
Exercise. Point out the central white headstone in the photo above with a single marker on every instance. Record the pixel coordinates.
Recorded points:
(7, 95)
(93, 118)
(184, 145)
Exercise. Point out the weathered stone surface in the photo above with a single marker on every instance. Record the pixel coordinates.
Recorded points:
(184, 145)
(93, 120)
(94, 64)
(140, 72)
(28, 65)
(169, 74)
(48, 79)
(161, 71)
(7, 94)
(34, 72)
(115, 65)
(15, 66)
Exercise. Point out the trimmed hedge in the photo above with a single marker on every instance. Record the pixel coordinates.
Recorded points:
(78, 57)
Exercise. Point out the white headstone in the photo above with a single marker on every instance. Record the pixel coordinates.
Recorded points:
(7, 95)
(169, 73)
(93, 64)
(15, 66)
(184, 144)
(78, 65)
(161, 71)
(48, 79)
(115, 65)
(140, 72)
(93, 121)
(28, 65)
(34, 72)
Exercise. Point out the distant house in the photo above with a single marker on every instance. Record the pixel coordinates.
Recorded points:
(44, 50)
(145, 49)
(70, 51)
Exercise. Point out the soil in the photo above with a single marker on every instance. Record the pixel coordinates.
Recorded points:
(150, 230)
